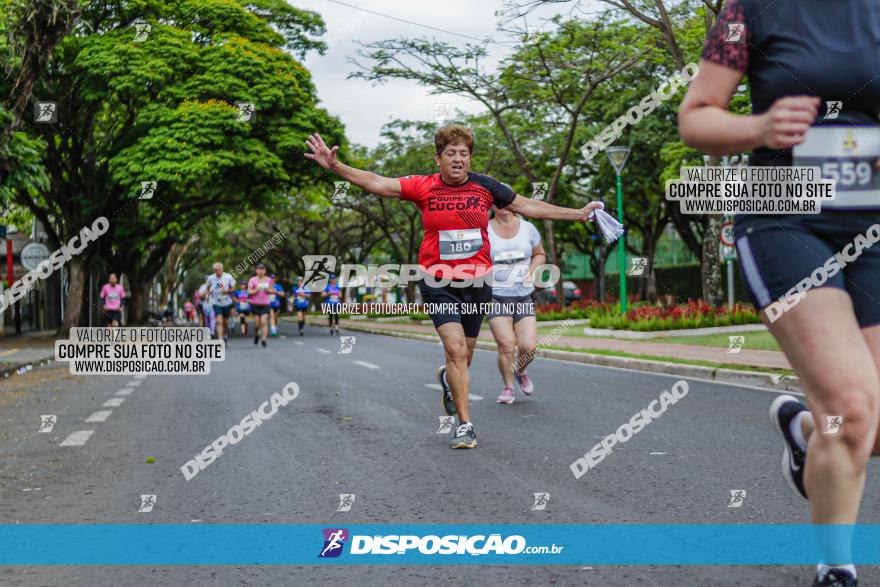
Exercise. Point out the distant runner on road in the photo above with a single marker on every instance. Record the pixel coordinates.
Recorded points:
(112, 294)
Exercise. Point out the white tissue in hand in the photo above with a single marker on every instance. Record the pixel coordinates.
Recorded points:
(611, 228)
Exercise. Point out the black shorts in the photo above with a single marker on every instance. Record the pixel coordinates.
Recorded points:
(112, 315)
(224, 311)
(777, 253)
(259, 309)
(244, 312)
(476, 297)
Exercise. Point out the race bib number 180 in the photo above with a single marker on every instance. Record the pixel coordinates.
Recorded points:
(459, 244)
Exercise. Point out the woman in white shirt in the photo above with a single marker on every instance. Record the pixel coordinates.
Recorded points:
(516, 251)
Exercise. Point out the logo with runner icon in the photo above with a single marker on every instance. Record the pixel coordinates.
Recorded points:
(147, 503)
(334, 541)
(736, 344)
(539, 190)
(541, 501)
(47, 422)
(734, 32)
(639, 264)
(318, 269)
(833, 425)
(737, 496)
(346, 345)
(832, 109)
(445, 424)
(346, 500)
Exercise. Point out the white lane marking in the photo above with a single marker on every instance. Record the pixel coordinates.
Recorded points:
(9, 352)
(476, 398)
(283, 336)
(658, 453)
(436, 386)
(113, 402)
(140, 376)
(134, 383)
(298, 343)
(367, 365)
(124, 391)
(99, 416)
(77, 438)
(325, 351)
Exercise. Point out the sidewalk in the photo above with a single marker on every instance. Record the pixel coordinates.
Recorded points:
(746, 358)
(17, 352)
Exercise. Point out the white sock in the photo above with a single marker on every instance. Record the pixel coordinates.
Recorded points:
(797, 432)
(444, 378)
(822, 570)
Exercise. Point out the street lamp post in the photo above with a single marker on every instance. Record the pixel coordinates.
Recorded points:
(618, 156)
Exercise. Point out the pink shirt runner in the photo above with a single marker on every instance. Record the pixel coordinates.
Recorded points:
(112, 295)
(261, 298)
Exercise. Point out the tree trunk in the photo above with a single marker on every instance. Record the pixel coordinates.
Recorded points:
(712, 268)
(137, 310)
(74, 302)
(651, 277)
(713, 275)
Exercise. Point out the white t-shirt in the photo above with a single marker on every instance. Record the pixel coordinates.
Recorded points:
(511, 258)
(216, 285)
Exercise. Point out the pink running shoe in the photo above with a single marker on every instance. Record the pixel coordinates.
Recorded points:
(525, 384)
(507, 396)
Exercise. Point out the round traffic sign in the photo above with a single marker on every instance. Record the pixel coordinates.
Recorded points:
(727, 238)
(32, 254)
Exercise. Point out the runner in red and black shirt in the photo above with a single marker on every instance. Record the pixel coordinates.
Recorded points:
(454, 254)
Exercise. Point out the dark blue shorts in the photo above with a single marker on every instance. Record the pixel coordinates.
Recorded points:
(776, 253)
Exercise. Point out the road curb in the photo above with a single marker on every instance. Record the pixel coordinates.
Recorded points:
(722, 375)
(22, 368)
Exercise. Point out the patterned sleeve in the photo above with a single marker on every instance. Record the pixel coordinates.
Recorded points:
(728, 43)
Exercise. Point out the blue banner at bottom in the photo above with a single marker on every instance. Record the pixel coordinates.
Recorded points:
(600, 544)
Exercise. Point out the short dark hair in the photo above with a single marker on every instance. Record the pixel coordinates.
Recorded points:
(452, 134)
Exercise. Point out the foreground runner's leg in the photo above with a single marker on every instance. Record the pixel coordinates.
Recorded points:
(459, 351)
(526, 329)
(505, 339)
(822, 340)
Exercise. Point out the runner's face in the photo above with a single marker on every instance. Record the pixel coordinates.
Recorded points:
(454, 162)
(112, 279)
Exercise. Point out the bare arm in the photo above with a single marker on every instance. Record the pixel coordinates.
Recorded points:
(324, 156)
(540, 209)
(705, 123)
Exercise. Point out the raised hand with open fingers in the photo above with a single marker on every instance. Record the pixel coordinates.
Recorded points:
(320, 152)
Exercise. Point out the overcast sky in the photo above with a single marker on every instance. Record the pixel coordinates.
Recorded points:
(365, 108)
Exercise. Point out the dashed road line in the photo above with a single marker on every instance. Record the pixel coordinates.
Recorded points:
(124, 391)
(99, 416)
(325, 351)
(134, 383)
(77, 438)
(298, 343)
(140, 376)
(367, 365)
(113, 402)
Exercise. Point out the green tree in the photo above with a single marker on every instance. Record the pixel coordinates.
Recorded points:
(150, 92)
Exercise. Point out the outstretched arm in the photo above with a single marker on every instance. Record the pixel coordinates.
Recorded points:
(324, 156)
(540, 209)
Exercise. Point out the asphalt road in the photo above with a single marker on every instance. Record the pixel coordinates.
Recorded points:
(365, 423)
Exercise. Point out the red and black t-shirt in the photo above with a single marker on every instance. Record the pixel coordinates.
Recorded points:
(455, 219)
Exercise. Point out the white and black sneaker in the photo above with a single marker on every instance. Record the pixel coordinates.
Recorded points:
(446, 398)
(782, 411)
(836, 578)
(465, 437)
